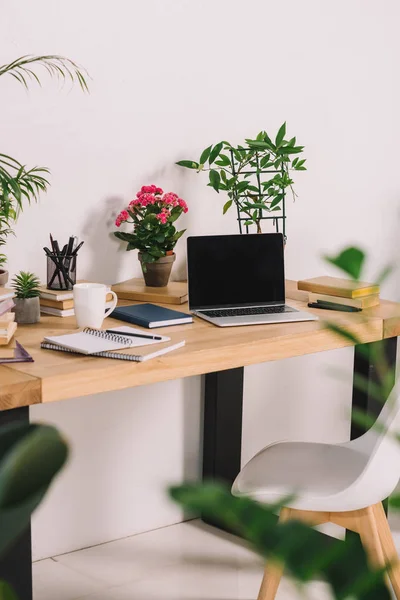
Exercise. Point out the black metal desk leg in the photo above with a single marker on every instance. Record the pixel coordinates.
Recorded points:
(364, 365)
(16, 565)
(222, 435)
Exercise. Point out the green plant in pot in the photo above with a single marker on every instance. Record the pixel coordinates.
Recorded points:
(153, 214)
(27, 303)
(19, 184)
(256, 177)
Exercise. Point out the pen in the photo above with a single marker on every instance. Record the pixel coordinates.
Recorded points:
(138, 335)
(333, 306)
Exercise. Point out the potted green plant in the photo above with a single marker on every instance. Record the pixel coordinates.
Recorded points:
(256, 177)
(27, 304)
(152, 214)
(19, 184)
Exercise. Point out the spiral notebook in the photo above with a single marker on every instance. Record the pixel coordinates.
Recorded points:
(95, 342)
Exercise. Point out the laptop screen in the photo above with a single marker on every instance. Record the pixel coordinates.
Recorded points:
(235, 270)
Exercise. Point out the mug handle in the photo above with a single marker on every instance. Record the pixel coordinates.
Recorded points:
(108, 313)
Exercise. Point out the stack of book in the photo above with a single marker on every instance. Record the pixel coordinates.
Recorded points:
(357, 294)
(60, 303)
(8, 326)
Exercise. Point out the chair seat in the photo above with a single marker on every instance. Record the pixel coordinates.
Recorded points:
(312, 472)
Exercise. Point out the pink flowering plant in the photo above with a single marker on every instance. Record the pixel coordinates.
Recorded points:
(152, 214)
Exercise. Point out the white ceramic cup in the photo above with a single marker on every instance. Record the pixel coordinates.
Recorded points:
(90, 304)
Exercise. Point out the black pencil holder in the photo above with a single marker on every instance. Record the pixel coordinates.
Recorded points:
(61, 272)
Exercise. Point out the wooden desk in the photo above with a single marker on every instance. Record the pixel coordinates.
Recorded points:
(218, 353)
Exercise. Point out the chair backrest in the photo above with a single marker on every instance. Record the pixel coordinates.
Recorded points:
(382, 447)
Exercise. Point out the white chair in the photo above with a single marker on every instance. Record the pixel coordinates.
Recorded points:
(342, 484)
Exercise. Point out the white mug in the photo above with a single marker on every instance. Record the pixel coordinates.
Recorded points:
(90, 304)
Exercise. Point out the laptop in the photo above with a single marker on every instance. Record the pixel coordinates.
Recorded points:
(239, 280)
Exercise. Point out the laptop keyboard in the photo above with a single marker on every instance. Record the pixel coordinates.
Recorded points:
(249, 310)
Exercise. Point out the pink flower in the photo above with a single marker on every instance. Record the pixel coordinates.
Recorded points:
(162, 217)
(122, 217)
(170, 198)
(146, 198)
(183, 205)
(150, 189)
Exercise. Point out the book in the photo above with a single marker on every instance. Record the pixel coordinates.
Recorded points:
(335, 286)
(150, 315)
(176, 292)
(5, 339)
(55, 312)
(364, 302)
(6, 293)
(60, 304)
(69, 312)
(6, 306)
(62, 295)
(6, 319)
(65, 304)
(121, 355)
(20, 355)
(90, 341)
(8, 351)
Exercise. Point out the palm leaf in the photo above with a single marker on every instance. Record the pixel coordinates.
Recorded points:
(56, 66)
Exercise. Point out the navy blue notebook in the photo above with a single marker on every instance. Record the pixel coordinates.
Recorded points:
(150, 315)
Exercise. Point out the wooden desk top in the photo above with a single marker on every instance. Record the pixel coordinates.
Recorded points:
(58, 376)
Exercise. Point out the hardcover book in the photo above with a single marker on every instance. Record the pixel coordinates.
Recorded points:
(150, 315)
(335, 286)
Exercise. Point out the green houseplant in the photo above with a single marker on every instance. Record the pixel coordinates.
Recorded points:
(153, 214)
(342, 565)
(19, 184)
(256, 177)
(30, 458)
(27, 304)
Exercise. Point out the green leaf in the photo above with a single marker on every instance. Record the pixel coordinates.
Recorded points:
(189, 164)
(227, 206)
(204, 155)
(215, 152)
(384, 274)
(6, 592)
(290, 149)
(280, 135)
(265, 160)
(255, 205)
(31, 456)
(242, 186)
(302, 549)
(343, 332)
(350, 261)
(214, 179)
(278, 198)
(223, 161)
(258, 145)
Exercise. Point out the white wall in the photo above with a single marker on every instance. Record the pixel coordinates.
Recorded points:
(168, 78)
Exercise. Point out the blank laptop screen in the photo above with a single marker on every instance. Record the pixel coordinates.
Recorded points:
(235, 270)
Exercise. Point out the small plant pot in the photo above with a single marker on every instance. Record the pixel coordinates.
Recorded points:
(27, 310)
(156, 274)
(3, 278)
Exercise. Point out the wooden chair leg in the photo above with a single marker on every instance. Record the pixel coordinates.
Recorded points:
(367, 527)
(273, 571)
(388, 547)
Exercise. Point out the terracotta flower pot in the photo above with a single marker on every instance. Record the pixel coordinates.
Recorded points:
(156, 274)
(27, 310)
(3, 277)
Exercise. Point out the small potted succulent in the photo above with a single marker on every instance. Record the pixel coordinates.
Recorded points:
(152, 214)
(27, 304)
